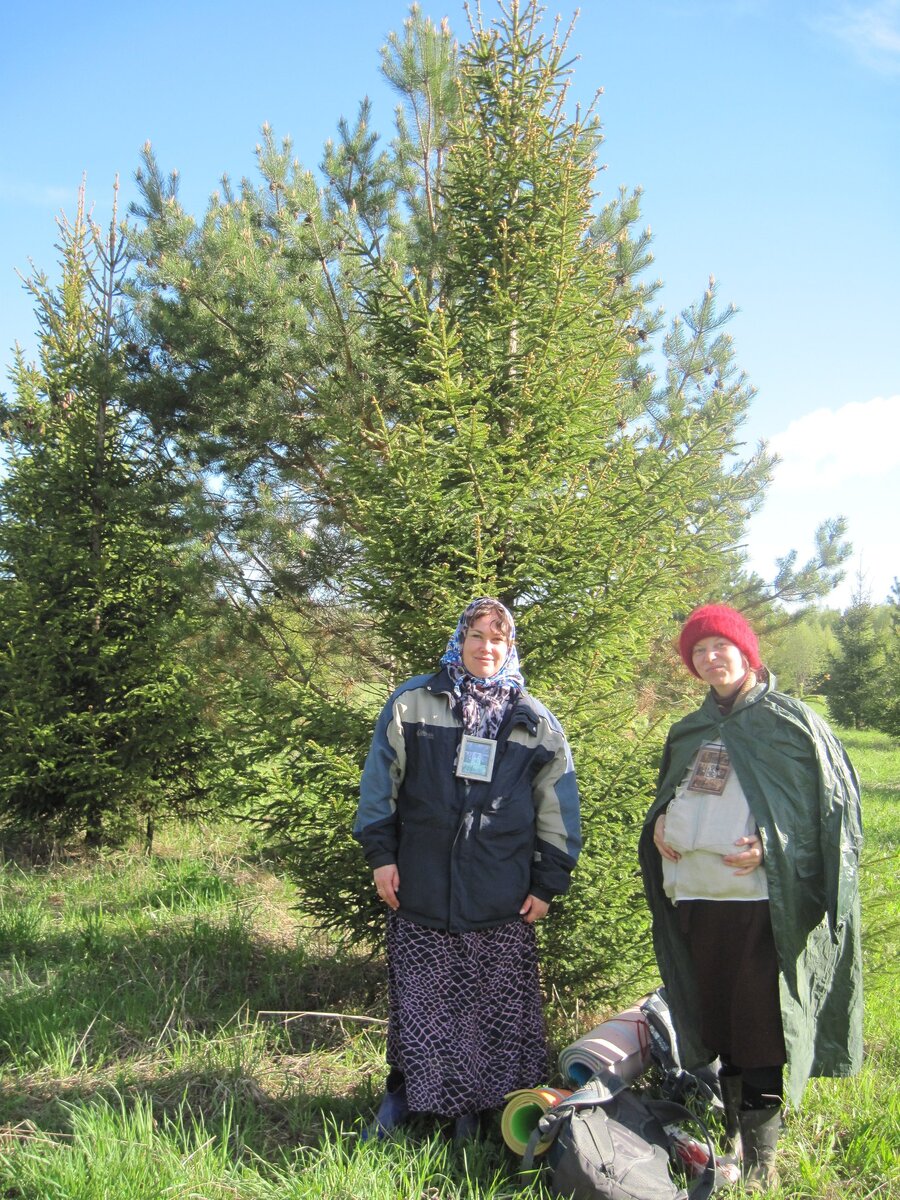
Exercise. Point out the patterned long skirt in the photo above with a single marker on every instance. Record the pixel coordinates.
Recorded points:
(465, 1022)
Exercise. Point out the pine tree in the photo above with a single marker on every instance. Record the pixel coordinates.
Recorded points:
(101, 726)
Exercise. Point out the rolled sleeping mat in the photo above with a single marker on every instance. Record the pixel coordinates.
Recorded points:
(620, 1045)
(523, 1110)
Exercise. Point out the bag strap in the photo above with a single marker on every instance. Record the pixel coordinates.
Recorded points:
(679, 1084)
(667, 1112)
(528, 1156)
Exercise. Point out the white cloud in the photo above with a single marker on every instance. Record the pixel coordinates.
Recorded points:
(872, 31)
(836, 462)
(859, 441)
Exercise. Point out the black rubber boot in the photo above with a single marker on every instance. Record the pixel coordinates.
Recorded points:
(760, 1128)
(732, 1087)
(467, 1128)
(393, 1111)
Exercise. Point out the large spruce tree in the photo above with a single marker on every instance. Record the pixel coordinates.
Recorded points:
(427, 379)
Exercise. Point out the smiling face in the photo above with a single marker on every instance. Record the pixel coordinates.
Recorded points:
(484, 647)
(719, 663)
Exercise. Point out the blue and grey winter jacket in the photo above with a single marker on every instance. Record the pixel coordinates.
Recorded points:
(467, 852)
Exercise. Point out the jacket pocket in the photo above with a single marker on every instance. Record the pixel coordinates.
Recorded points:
(501, 813)
(495, 879)
(423, 866)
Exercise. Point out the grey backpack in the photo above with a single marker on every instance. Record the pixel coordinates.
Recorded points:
(606, 1142)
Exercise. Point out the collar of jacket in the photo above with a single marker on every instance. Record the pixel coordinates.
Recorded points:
(755, 694)
(523, 712)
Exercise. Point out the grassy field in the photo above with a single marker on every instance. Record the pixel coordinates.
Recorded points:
(145, 1050)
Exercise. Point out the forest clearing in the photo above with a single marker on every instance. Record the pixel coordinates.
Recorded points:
(149, 1047)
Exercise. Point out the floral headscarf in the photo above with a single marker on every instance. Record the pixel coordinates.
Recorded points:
(481, 703)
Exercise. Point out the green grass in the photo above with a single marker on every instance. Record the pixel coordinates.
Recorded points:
(143, 1054)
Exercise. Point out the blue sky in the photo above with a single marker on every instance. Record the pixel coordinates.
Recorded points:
(765, 134)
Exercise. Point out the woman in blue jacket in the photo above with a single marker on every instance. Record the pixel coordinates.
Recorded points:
(469, 819)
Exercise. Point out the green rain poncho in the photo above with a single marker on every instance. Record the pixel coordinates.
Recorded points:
(804, 795)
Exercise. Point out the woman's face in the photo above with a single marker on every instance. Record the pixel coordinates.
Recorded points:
(484, 648)
(719, 663)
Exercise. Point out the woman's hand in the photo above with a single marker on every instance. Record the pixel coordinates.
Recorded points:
(659, 839)
(534, 909)
(748, 858)
(387, 884)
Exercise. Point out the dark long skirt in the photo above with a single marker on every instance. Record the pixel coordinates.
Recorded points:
(465, 1024)
(733, 954)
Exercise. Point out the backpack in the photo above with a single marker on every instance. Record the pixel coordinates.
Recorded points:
(606, 1142)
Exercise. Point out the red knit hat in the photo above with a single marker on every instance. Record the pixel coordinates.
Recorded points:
(718, 620)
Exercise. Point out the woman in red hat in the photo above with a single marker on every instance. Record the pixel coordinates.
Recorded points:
(750, 858)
